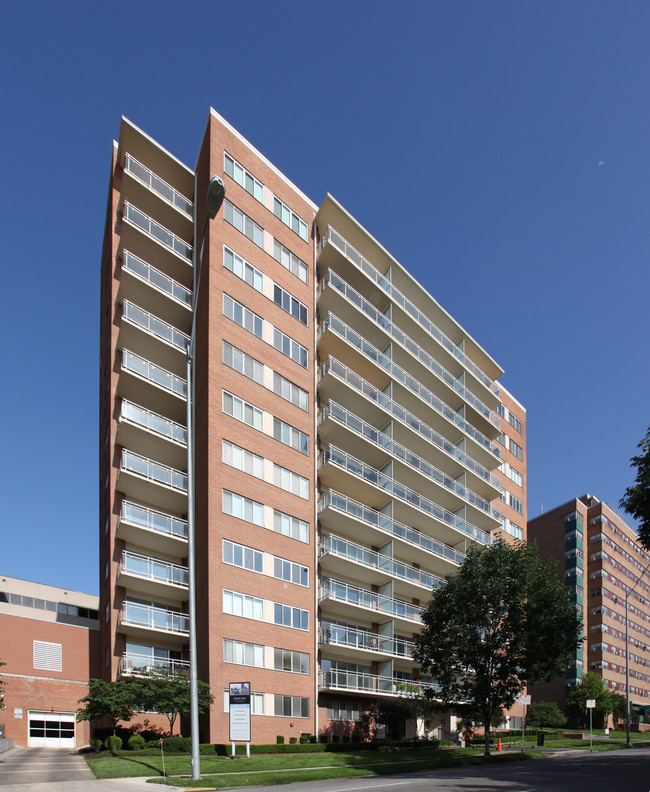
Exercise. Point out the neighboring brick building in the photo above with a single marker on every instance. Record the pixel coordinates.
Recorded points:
(599, 557)
(346, 441)
(49, 640)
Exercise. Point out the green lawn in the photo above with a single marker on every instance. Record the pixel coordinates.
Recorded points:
(283, 768)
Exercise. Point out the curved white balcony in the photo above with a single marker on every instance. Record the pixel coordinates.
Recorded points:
(153, 577)
(138, 665)
(347, 642)
(152, 435)
(155, 530)
(371, 355)
(148, 480)
(155, 339)
(374, 527)
(386, 331)
(376, 567)
(341, 596)
(414, 464)
(160, 389)
(409, 308)
(446, 521)
(373, 684)
(426, 435)
(142, 621)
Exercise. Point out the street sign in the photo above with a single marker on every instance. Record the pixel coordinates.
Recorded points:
(240, 711)
(591, 703)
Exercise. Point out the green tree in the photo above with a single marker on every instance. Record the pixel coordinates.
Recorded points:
(591, 687)
(636, 500)
(169, 694)
(546, 714)
(502, 622)
(111, 701)
(619, 708)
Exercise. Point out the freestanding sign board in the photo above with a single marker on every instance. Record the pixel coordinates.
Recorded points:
(240, 712)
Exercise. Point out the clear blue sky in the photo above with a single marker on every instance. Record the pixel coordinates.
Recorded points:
(500, 150)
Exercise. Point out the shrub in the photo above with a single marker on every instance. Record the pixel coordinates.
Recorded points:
(324, 738)
(136, 742)
(345, 738)
(104, 732)
(279, 739)
(336, 738)
(293, 740)
(178, 744)
(356, 737)
(150, 734)
(303, 738)
(207, 748)
(113, 743)
(445, 743)
(96, 744)
(313, 738)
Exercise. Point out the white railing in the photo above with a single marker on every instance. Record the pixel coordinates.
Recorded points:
(364, 598)
(151, 617)
(155, 326)
(339, 635)
(153, 520)
(156, 278)
(136, 664)
(155, 374)
(154, 471)
(374, 683)
(154, 422)
(153, 569)
(166, 191)
(157, 231)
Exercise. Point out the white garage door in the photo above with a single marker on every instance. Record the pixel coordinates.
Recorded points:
(51, 730)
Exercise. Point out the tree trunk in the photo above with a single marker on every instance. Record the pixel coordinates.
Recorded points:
(487, 717)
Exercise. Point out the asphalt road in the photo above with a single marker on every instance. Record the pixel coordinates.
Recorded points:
(609, 771)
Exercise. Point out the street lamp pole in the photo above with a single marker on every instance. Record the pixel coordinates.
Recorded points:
(215, 196)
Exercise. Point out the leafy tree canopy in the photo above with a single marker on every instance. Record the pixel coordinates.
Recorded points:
(591, 687)
(636, 500)
(503, 621)
(546, 714)
(111, 701)
(619, 707)
(168, 693)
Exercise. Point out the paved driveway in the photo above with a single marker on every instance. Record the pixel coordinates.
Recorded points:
(39, 765)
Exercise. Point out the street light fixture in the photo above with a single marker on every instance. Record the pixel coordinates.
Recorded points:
(215, 195)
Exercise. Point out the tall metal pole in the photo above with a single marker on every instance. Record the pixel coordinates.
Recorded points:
(627, 673)
(215, 196)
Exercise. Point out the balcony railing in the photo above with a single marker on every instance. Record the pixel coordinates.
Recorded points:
(396, 410)
(154, 422)
(159, 186)
(387, 287)
(154, 618)
(373, 683)
(157, 231)
(375, 518)
(156, 278)
(339, 635)
(150, 664)
(154, 471)
(368, 350)
(384, 441)
(370, 558)
(153, 520)
(369, 310)
(153, 569)
(364, 598)
(397, 490)
(155, 326)
(159, 376)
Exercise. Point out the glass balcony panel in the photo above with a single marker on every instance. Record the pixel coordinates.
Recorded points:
(158, 185)
(153, 520)
(153, 373)
(157, 231)
(162, 474)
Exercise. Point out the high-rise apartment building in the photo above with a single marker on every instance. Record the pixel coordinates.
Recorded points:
(601, 559)
(346, 441)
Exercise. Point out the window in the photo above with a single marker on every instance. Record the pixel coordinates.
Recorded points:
(242, 269)
(285, 660)
(515, 530)
(515, 449)
(289, 304)
(257, 702)
(242, 605)
(343, 710)
(290, 261)
(243, 653)
(290, 218)
(287, 616)
(291, 706)
(290, 482)
(243, 411)
(290, 392)
(245, 179)
(242, 316)
(287, 525)
(515, 422)
(242, 508)
(515, 503)
(290, 571)
(243, 223)
(48, 656)
(244, 460)
(292, 349)
(242, 556)
(290, 437)
(515, 476)
(243, 363)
